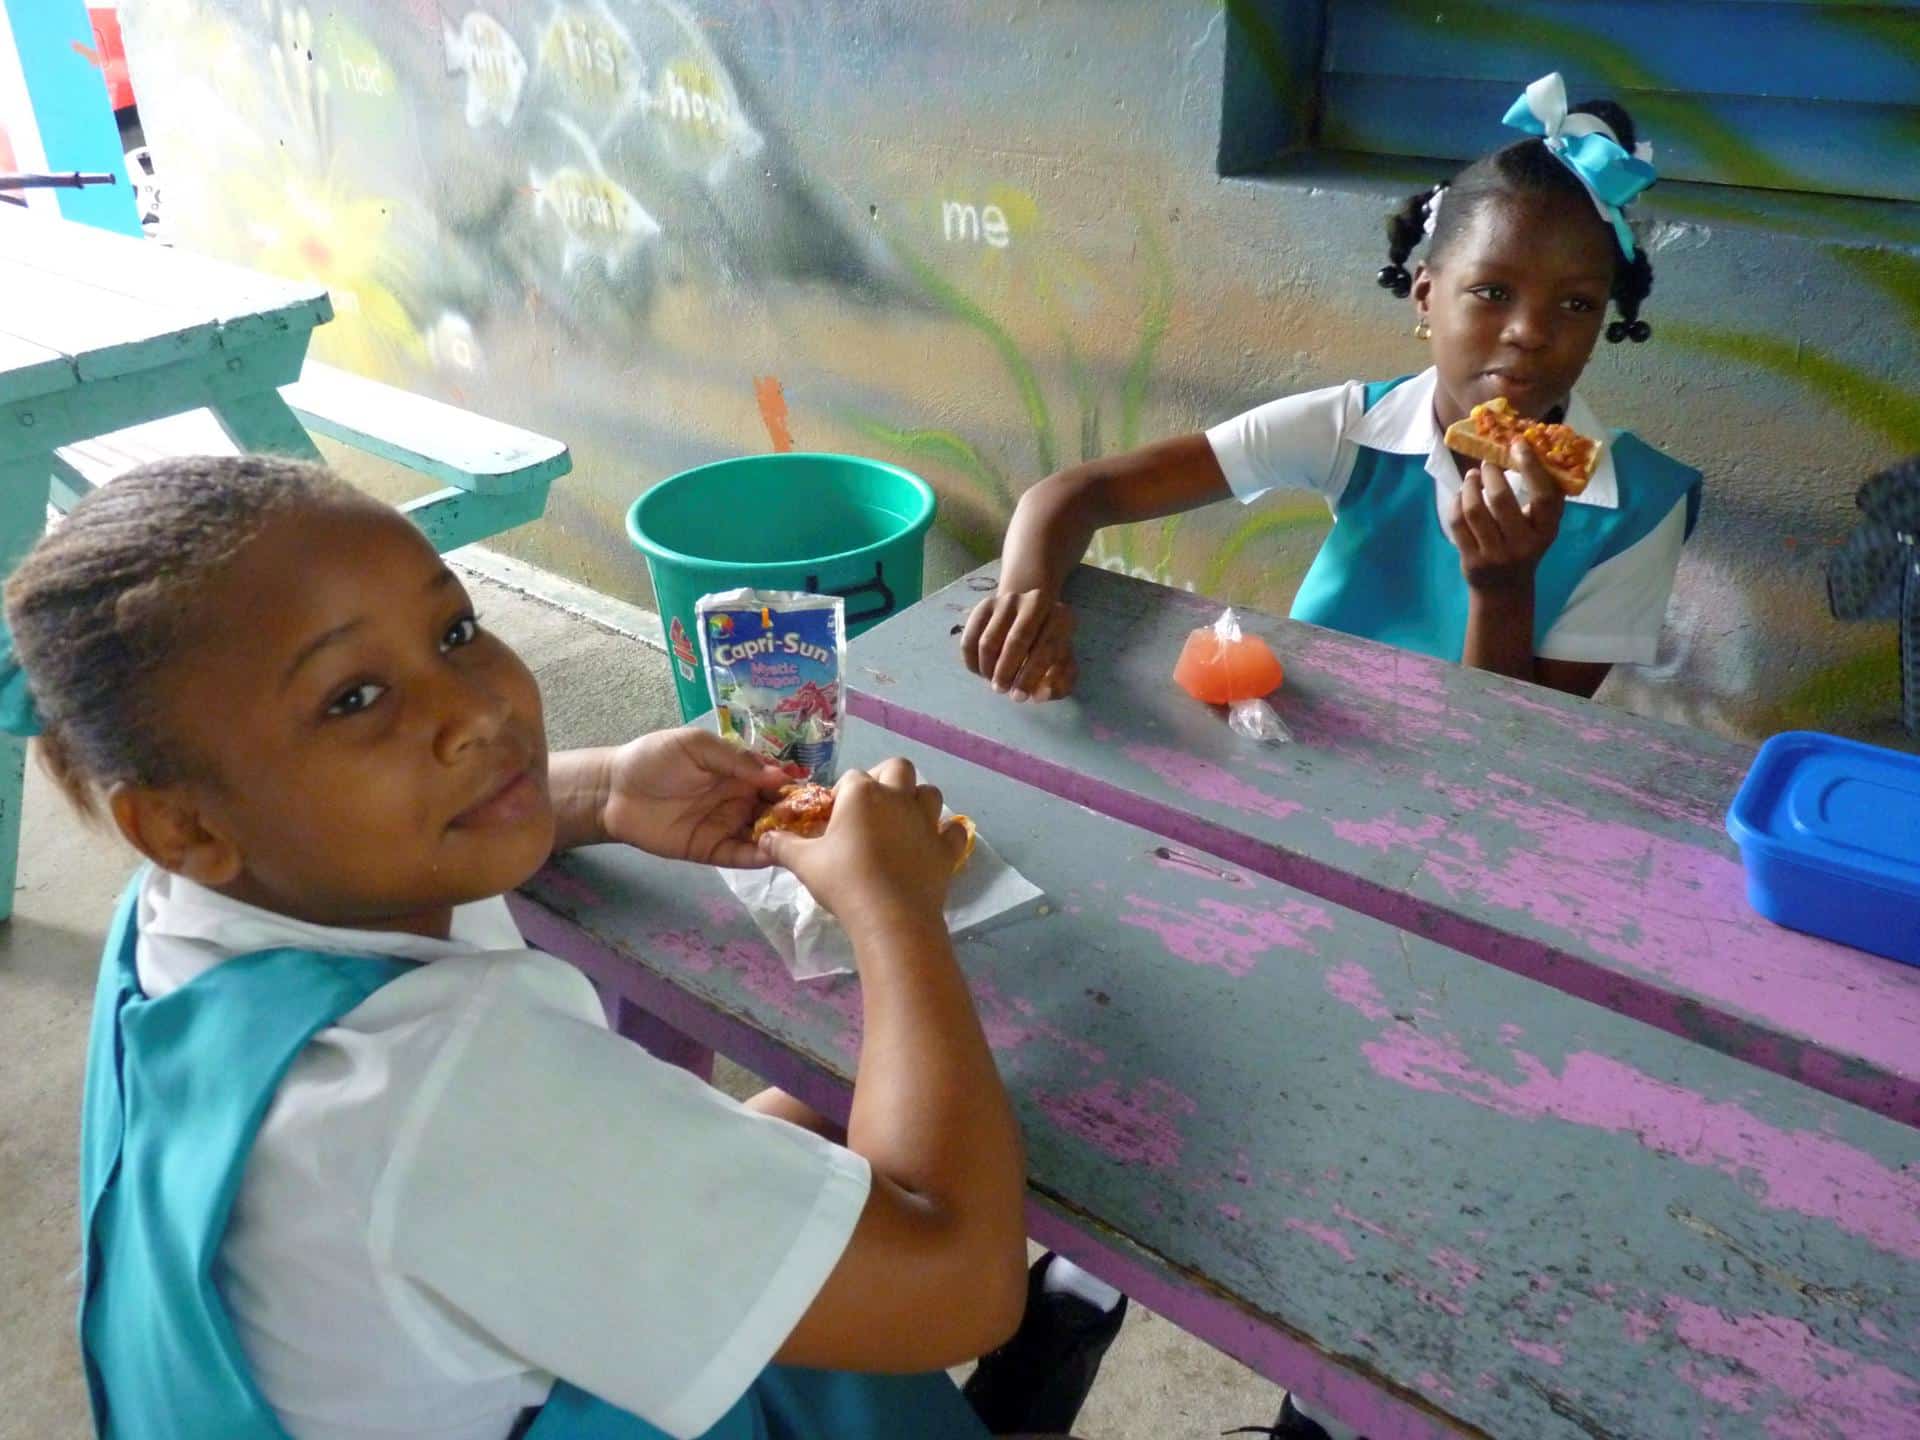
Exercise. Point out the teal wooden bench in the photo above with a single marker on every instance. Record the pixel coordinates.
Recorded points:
(106, 342)
(496, 476)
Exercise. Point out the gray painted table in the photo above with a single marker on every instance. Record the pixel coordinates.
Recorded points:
(1433, 1196)
(1563, 841)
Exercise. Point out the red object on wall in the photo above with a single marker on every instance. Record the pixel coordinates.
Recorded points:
(110, 54)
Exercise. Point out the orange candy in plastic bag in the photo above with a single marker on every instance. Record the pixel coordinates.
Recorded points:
(1221, 668)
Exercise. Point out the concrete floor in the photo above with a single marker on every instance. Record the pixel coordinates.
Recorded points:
(601, 687)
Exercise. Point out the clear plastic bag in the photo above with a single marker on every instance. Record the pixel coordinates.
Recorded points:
(1222, 666)
(1258, 721)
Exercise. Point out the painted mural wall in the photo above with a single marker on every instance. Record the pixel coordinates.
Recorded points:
(982, 238)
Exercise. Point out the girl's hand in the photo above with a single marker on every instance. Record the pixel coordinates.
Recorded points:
(1023, 644)
(884, 856)
(687, 794)
(1500, 538)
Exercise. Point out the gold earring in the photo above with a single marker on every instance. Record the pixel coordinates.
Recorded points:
(1422, 330)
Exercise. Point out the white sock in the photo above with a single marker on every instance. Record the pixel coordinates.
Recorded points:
(1063, 1277)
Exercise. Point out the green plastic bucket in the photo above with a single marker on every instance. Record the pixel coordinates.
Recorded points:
(835, 524)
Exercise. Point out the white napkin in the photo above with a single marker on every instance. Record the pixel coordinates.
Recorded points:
(811, 941)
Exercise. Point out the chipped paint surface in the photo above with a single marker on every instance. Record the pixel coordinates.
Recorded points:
(1230, 937)
(1137, 1126)
(1799, 1170)
(1334, 1239)
(1215, 784)
(1462, 1199)
(1574, 845)
(1805, 1387)
(1535, 1350)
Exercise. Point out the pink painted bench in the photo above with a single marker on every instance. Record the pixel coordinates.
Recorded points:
(1566, 842)
(1434, 1197)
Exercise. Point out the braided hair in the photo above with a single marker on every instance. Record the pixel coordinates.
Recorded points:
(103, 601)
(1526, 167)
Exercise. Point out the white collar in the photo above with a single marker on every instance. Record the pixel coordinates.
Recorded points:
(1403, 424)
(187, 929)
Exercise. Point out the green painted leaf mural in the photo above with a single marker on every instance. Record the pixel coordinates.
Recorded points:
(1892, 411)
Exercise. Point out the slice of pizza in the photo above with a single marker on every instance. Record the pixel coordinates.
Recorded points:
(1489, 431)
(802, 810)
(806, 810)
(965, 822)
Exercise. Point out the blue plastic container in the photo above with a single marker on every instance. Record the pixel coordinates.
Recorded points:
(1830, 833)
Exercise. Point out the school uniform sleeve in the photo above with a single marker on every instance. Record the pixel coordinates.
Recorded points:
(1615, 613)
(607, 1217)
(1293, 443)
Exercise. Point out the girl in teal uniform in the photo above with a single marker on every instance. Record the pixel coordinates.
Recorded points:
(355, 1161)
(1492, 568)
(1430, 551)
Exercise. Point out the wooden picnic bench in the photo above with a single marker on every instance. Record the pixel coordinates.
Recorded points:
(1570, 843)
(496, 475)
(1435, 1197)
(105, 341)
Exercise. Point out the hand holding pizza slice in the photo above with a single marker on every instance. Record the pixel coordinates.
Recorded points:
(1489, 432)
(807, 810)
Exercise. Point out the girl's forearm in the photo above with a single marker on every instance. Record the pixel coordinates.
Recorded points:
(1500, 630)
(1051, 528)
(929, 1111)
(579, 782)
(1057, 519)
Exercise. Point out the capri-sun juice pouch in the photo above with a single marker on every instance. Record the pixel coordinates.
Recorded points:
(775, 668)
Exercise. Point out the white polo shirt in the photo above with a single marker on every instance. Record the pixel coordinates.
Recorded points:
(1310, 442)
(469, 1186)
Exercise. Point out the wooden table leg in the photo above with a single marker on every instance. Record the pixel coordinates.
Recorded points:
(658, 1038)
(23, 515)
(263, 423)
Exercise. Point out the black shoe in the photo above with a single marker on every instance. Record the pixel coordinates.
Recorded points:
(1291, 1425)
(1036, 1383)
